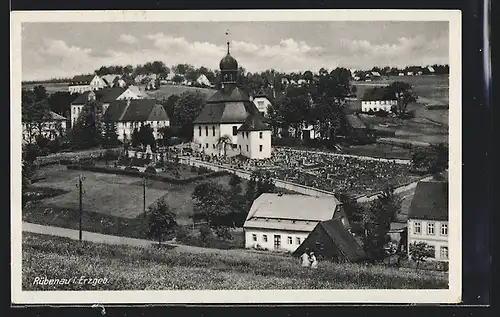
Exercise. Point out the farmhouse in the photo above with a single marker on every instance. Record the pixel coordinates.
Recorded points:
(83, 83)
(262, 101)
(53, 127)
(203, 80)
(428, 218)
(282, 222)
(331, 240)
(134, 113)
(104, 96)
(378, 98)
(230, 115)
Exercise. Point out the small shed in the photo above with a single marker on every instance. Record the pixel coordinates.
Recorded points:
(331, 240)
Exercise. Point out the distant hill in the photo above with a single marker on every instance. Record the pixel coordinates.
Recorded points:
(168, 90)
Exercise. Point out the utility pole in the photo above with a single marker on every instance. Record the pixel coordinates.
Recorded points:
(144, 195)
(81, 178)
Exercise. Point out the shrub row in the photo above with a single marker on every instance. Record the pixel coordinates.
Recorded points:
(135, 172)
(437, 107)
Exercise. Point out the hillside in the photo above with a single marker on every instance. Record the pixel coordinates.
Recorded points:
(153, 268)
(168, 90)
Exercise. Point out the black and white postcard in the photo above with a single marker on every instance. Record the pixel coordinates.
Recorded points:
(247, 157)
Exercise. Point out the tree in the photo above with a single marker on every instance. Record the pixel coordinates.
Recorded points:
(177, 79)
(35, 112)
(433, 159)
(135, 138)
(224, 141)
(308, 76)
(161, 221)
(404, 94)
(167, 133)
(419, 251)
(186, 109)
(377, 221)
(260, 182)
(87, 132)
(110, 135)
(146, 136)
(211, 205)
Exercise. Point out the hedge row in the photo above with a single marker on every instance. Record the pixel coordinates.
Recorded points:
(119, 171)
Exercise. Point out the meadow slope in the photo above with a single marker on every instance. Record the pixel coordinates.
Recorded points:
(153, 268)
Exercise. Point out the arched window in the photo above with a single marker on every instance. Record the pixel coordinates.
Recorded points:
(199, 131)
(206, 131)
(213, 130)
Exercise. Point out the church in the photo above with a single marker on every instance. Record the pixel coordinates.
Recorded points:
(230, 124)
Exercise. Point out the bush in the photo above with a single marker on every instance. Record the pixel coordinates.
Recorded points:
(181, 234)
(382, 113)
(202, 170)
(437, 107)
(150, 170)
(370, 112)
(111, 154)
(133, 169)
(409, 115)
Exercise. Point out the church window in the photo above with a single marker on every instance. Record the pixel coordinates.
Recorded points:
(199, 131)
(213, 146)
(206, 145)
(240, 147)
(235, 130)
(247, 134)
(206, 131)
(260, 148)
(213, 130)
(247, 148)
(260, 135)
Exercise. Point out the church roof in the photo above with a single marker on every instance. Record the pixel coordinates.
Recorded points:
(228, 63)
(228, 105)
(254, 123)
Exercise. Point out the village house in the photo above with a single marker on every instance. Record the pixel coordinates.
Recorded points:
(332, 240)
(428, 218)
(54, 127)
(229, 114)
(104, 96)
(83, 83)
(134, 113)
(378, 98)
(203, 80)
(262, 100)
(109, 79)
(282, 222)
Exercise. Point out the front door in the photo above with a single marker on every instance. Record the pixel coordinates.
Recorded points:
(277, 241)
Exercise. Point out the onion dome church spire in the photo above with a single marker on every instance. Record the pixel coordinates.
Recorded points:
(228, 68)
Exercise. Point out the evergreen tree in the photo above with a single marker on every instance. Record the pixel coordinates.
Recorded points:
(87, 131)
(110, 136)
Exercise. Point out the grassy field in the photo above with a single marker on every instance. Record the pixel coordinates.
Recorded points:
(168, 90)
(153, 268)
(111, 202)
(50, 87)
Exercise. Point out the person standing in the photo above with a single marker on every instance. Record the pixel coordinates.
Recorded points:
(305, 259)
(314, 261)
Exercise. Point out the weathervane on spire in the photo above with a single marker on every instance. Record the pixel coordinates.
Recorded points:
(227, 33)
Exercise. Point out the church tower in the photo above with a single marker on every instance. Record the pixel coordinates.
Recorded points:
(228, 69)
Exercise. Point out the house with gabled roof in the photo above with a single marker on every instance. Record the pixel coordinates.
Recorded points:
(83, 83)
(54, 126)
(105, 97)
(262, 100)
(282, 222)
(224, 113)
(134, 113)
(428, 217)
(332, 240)
(378, 98)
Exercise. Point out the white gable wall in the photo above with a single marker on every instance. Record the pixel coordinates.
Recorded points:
(297, 237)
(262, 104)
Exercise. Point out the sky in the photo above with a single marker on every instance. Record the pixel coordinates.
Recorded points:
(55, 50)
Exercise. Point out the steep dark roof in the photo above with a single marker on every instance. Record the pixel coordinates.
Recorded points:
(355, 122)
(82, 99)
(111, 94)
(115, 110)
(430, 201)
(86, 79)
(158, 113)
(139, 110)
(378, 93)
(254, 123)
(228, 105)
(343, 239)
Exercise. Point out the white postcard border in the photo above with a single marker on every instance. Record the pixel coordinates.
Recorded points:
(451, 295)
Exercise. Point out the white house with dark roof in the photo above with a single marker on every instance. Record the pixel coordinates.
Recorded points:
(262, 100)
(428, 218)
(53, 127)
(282, 222)
(104, 96)
(134, 113)
(378, 98)
(83, 83)
(230, 114)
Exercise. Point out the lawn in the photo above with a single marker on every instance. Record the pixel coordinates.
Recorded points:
(114, 195)
(153, 268)
(50, 87)
(166, 91)
(379, 150)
